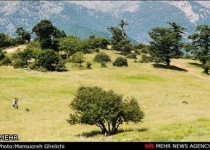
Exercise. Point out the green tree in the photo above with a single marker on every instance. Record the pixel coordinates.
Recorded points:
(78, 57)
(48, 34)
(200, 43)
(166, 42)
(4, 40)
(105, 109)
(119, 39)
(23, 36)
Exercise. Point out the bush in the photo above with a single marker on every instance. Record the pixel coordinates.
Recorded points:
(25, 55)
(19, 63)
(78, 57)
(88, 65)
(145, 58)
(97, 50)
(60, 66)
(132, 56)
(120, 61)
(48, 60)
(33, 66)
(103, 65)
(101, 57)
(145, 50)
(2, 55)
(6, 61)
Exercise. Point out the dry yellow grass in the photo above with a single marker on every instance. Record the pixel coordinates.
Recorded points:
(160, 93)
(13, 49)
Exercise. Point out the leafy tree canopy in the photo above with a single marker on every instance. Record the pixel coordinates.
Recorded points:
(119, 39)
(166, 42)
(105, 109)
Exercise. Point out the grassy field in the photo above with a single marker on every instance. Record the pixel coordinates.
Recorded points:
(44, 100)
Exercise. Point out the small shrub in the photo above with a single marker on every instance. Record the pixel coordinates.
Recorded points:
(33, 66)
(27, 109)
(120, 61)
(2, 55)
(145, 59)
(137, 51)
(97, 50)
(6, 61)
(60, 66)
(102, 57)
(103, 65)
(78, 57)
(19, 63)
(88, 65)
(42, 69)
(132, 56)
(145, 50)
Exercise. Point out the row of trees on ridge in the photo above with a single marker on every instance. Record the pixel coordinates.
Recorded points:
(166, 43)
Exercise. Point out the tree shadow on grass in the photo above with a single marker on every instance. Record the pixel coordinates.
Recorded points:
(95, 133)
(195, 64)
(169, 67)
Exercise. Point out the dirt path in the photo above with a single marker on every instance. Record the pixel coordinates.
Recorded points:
(190, 70)
(13, 49)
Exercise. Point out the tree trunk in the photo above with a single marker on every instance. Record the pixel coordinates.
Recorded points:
(104, 130)
(206, 70)
(114, 127)
(168, 62)
(109, 130)
(203, 62)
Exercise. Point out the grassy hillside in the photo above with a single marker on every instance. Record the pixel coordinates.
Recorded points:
(44, 101)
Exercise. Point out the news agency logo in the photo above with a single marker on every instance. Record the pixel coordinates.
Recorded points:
(9, 137)
(149, 146)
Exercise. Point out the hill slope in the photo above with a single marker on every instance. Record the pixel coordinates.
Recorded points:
(43, 108)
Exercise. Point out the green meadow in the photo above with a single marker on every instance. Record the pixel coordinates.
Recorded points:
(175, 101)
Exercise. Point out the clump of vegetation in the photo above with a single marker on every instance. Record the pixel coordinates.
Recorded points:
(78, 58)
(19, 63)
(2, 54)
(27, 109)
(105, 109)
(48, 60)
(132, 56)
(6, 61)
(103, 65)
(145, 58)
(88, 65)
(141, 48)
(206, 67)
(101, 57)
(120, 61)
